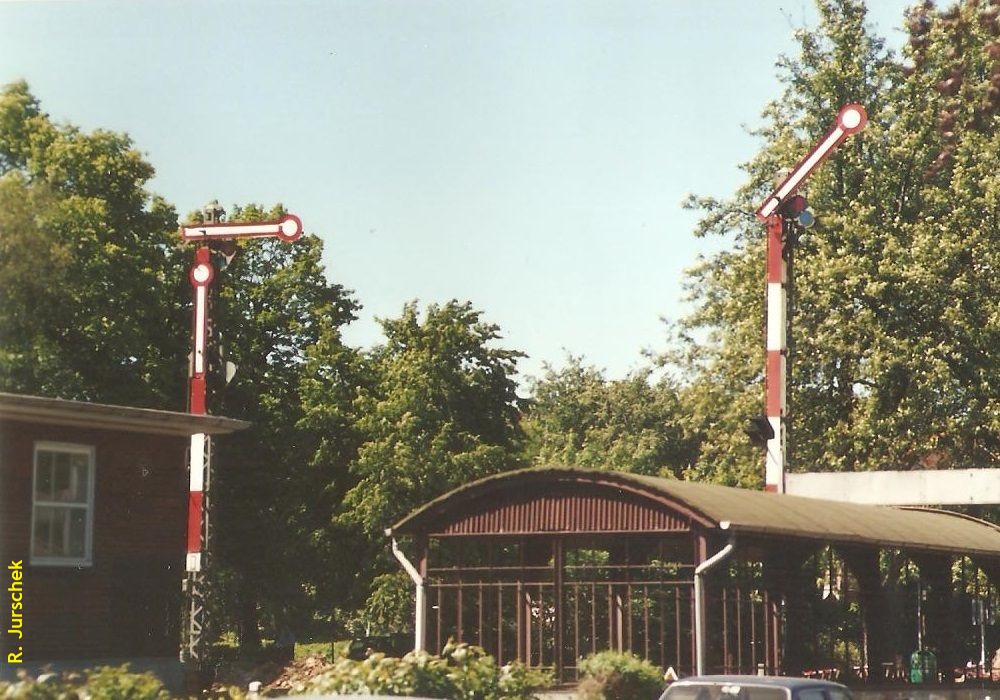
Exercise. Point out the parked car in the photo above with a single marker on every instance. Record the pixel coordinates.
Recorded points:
(754, 688)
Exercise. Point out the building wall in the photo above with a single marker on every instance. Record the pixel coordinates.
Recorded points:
(128, 602)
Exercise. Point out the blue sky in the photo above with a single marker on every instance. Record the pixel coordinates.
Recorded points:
(528, 156)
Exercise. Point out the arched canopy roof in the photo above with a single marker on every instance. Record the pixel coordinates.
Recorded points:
(550, 500)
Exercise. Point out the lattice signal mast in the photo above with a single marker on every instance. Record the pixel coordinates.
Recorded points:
(783, 212)
(213, 233)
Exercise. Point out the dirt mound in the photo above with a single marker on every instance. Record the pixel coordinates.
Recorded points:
(298, 672)
(240, 674)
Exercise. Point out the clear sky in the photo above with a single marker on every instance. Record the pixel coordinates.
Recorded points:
(529, 156)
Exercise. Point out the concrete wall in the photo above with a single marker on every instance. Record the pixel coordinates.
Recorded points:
(913, 488)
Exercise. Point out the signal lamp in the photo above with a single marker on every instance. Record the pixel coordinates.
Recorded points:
(794, 206)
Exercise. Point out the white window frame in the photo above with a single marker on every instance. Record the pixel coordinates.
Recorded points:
(88, 548)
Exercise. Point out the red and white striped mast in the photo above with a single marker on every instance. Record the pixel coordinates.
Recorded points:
(212, 233)
(781, 212)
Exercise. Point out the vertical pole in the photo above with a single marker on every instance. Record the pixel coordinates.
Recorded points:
(420, 623)
(523, 612)
(288, 229)
(557, 587)
(700, 623)
(201, 275)
(419, 578)
(777, 347)
(500, 647)
(850, 119)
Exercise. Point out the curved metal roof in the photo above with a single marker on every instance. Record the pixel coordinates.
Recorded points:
(712, 506)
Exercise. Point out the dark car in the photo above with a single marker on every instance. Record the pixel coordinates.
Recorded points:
(754, 688)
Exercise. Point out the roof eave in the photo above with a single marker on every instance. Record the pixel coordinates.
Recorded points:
(83, 414)
(792, 534)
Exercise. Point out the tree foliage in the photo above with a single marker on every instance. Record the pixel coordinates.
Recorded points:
(434, 407)
(892, 316)
(578, 417)
(441, 410)
(273, 305)
(90, 270)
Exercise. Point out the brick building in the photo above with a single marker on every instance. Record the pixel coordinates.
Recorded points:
(93, 503)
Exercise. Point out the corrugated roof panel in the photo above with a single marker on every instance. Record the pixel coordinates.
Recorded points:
(564, 508)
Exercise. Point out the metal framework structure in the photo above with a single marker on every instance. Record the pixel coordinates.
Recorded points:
(211, 234)
(551, 601)
(546, 566)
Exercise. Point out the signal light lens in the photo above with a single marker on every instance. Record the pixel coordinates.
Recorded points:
(794, 206)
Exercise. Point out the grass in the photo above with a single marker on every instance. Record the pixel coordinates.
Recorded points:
(305, 649)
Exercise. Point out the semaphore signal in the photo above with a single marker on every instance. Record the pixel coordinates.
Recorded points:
(213, 232)
(783, 211)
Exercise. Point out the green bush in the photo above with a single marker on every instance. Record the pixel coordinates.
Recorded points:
(106, 683)
(610, 675)
(461, 672)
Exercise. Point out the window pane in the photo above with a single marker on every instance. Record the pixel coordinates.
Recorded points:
(43, 477)
(685, 692)
(79, 459)
(754, 693)
(43, 531)
(62, 476)
(77, 544)
(60, 531)
(724, 691)
(78, 480)
(61, 507)
(60, 460)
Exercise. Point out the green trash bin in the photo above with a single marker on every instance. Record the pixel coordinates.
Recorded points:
(923, 667)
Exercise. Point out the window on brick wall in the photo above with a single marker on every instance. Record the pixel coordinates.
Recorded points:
(62, 513)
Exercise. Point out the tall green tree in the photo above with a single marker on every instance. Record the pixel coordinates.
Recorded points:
(435, 408)
(442, 411)
(96, 306)
(91, 274)
(579, 417)
(893, 325)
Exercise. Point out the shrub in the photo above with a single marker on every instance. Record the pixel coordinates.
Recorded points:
(106, 682)
(610, 675)
(461, 672)
(519, 682)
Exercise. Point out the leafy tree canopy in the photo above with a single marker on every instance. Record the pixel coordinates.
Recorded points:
(579, 417)
(441, 411)
(273, 306)
(893, 320)
(90, 272)
(435, 407)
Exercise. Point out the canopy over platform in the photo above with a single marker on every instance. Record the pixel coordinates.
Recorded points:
(547, 565)
(554, 500)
